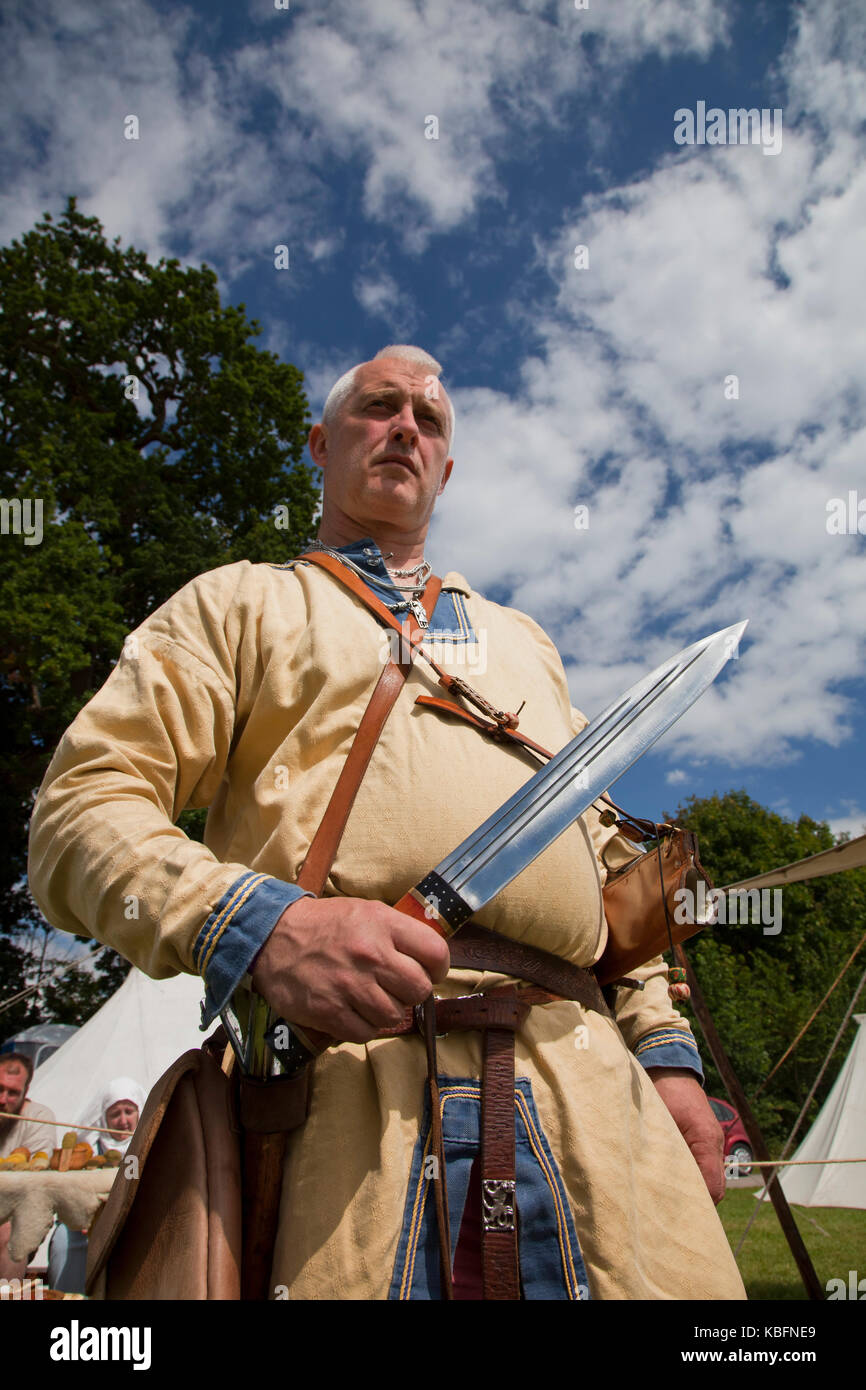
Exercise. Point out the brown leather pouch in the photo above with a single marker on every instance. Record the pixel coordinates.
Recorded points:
(174, 1230)
(636, 898)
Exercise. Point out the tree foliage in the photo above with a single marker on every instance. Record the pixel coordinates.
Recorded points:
(160, 442)
(762, 988)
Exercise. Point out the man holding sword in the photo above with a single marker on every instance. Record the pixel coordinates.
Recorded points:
(243, 694)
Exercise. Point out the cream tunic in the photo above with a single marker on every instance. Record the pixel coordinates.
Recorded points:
(242, 693)
(30, 1131)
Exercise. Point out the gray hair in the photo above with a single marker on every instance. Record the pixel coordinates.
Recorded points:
(341, 390)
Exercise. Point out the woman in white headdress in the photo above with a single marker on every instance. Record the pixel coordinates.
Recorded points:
(119, 1110)
(120, 1107)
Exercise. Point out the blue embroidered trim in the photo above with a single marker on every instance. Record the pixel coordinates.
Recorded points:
(235, 932)
(450, 620)
(461, 630)
(669, 1047)
(551, 1264)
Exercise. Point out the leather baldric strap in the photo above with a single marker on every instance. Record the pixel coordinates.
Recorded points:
(413, 638)
(320, 856)
(314, 871)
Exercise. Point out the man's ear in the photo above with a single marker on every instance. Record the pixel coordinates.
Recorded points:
(449, 464)
(318, 445)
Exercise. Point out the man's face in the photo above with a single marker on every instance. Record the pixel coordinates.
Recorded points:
(13, 1088)
(385, 457)
(123, 1115)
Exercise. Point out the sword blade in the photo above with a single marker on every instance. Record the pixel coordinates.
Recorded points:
(523, 827)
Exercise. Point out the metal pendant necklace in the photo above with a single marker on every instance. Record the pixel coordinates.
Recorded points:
(421, 572)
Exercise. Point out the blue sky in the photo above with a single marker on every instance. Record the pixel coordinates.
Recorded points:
(602, 386)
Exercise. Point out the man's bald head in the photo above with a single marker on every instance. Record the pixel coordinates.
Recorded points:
(342, 389)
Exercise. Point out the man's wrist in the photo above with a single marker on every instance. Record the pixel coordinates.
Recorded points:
(235, 933)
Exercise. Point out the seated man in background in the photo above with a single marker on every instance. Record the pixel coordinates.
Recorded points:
(24, 1123)
(21, 1126)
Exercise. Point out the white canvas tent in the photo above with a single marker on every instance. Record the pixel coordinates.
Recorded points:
(851, 854)
(839, 1131)
(138, 1032)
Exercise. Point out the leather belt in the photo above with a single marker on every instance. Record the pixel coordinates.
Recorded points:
(497, 1013)
(477, 948)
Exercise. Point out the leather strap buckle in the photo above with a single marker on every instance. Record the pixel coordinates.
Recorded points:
(497, 1204)
(418, 1016)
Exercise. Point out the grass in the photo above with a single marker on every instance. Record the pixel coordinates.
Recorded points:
(834, 1236)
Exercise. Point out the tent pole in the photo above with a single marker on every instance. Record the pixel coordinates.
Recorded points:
(802, 1259)
(814, 1015)
(824, 1065)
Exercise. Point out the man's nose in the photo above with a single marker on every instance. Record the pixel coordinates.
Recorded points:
(404, 428)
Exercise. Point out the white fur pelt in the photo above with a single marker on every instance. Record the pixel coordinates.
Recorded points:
(30, 1201)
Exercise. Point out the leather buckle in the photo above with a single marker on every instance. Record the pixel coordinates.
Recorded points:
(418, 1015)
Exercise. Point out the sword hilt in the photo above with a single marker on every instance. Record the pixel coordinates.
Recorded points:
(295, 1046)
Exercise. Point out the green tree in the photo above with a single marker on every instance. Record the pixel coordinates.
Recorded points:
(761, 988)
(160, 443)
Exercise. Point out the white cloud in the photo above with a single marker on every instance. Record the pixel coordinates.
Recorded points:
(379, 294)
(853, 823)
(703, 510)
(198, 176)
(367, 75)
(676, 776)
(323, 247)
(355, 80)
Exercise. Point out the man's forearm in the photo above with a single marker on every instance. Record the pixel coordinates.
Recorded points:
(684, 1097)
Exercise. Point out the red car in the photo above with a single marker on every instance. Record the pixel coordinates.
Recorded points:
(738, 1150)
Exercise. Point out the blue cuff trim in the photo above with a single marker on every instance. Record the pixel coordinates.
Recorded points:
(235, 932)
(669, 1047)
